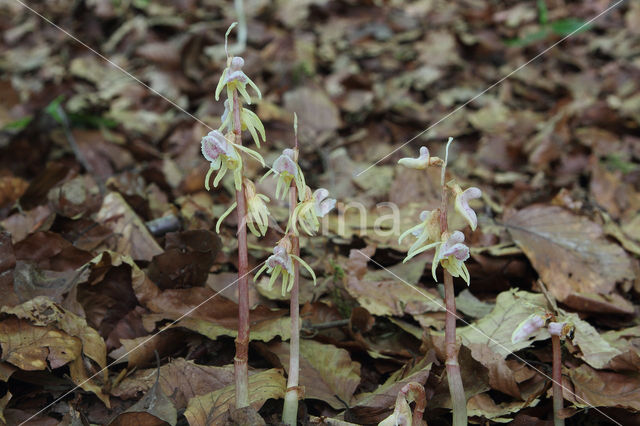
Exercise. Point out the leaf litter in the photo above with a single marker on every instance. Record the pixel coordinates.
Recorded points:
(107, 233)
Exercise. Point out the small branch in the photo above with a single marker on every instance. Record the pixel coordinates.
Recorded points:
(557, 381)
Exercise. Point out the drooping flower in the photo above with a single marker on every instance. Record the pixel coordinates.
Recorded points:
(281, 263)
(423, 161)
(287, 169)
(451, 254)
(248, 119)
(235, 79)
(257, 216)
(427, 233)
(224, 155)
(526, 328)
(462, 204)
(309, 209)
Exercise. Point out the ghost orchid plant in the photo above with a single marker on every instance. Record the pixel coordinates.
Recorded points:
(451, 253)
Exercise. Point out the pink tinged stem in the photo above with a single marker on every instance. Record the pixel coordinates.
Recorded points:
(557, 381)
(456, 389)
(241, 360)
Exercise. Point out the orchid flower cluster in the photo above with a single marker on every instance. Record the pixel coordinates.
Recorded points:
(311, 207)
(450, 250)
(223, 154)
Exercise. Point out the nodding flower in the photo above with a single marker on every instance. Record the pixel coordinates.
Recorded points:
(248, 121)
(310, 208)
(235, 79)
(427, 233)
(422, 162)
(451, 254)
(462, 203)
(281, 263)
(526, 328)
(286, 168)
(257, 217)
(224, 155)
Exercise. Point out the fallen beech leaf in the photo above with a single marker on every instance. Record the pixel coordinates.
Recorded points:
(213, 408)
(569, 252)
(131, 236)
(154, 409)
(180, 379)
(596, 351)
(483, 406)
(495, 329)
(11, 188)
(24, 223)
(382, 293)
(325, 371)
(603, 389)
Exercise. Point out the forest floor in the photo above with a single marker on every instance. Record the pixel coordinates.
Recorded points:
(109, 259)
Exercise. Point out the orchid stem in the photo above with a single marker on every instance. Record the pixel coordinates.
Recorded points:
(241, 360)
(456, 389)
(290, 409)
(557, 381)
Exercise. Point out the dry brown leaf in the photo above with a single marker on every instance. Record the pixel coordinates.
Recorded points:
(595, 388)
(213, 408)
(325, 371)
(180, 379)
(385, 293)
(131, 236)
(569, 252)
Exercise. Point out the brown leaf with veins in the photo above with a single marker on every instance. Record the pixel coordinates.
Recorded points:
(213, 408)
(325, 371)
(603, 388)
(569, 252)
(180, 379)
(131, 236)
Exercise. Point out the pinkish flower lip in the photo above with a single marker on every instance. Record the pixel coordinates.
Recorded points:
(213, 145)
(285, 163)
(454, 246)
(323, 204)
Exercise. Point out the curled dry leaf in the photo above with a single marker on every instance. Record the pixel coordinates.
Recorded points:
(569, 252)
(41, 331)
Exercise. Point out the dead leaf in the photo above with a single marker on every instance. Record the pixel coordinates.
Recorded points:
(131, 236)
(594, 388)
(569, 252)
(180, 380)
(213, 408)
(385, 293)
(325, 371)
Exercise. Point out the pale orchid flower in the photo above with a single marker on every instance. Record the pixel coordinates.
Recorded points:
(224, 155)
(427, 232)
(248, 120)
(423, 161)
(451, 254)
(287, 169)
(462, 204)
(310, 208)
(281, 263)
(257, 217)
(235, 79)
(529, 326)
